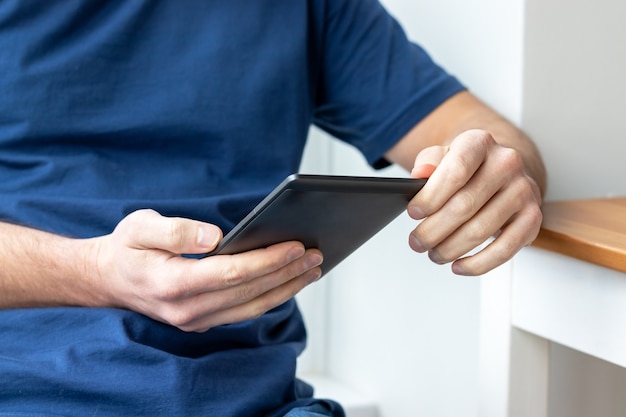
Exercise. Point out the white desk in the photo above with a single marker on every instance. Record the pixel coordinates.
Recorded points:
(569, 288)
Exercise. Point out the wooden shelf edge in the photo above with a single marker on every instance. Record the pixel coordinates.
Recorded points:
(580, 249)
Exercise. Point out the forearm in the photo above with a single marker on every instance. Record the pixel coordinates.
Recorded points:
(40, 269)
(139, 267)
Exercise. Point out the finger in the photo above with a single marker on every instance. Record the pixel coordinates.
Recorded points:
(481, 227)
(257, 306)
(460, 208)
(205, 308)
(188, 310)
(214, 273)
(147, 229)
(427, 161)
(252, 289)
(522, 230)
(465, 156)
(243, 289)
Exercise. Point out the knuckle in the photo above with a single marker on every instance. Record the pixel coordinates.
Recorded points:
(535, 214)
(245, 292)
(534, 220)
(527, 198)
(131, 222)
(521, 188)
(464, 205)
(463, 171)
(477, 232)
(511, 159)
(232, 275)
(425, 235)
(138, 217)
(175, 233)
(179, 317)
(167, 291)
(507, 249)
(480, 137)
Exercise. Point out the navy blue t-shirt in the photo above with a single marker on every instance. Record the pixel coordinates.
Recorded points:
(194, 109)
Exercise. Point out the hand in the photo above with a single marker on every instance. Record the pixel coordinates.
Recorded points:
(477, 189)
(140, 268)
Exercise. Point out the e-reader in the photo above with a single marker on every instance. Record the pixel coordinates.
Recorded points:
(336, 214)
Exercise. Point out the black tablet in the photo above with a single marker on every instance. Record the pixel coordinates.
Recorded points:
(335, 214)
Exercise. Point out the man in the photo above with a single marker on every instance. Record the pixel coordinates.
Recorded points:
(134, 132)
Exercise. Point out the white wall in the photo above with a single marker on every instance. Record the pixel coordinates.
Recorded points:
(575, 92)
(387, 320)
(574, 106)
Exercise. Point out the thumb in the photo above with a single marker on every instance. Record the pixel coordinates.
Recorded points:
(428, 160)
(147, 229)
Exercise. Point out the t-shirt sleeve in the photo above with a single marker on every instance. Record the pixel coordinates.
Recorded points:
(374, 84)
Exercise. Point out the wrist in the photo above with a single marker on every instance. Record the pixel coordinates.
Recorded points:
(85, 284)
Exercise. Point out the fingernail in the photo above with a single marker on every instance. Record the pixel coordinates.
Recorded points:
(295, 253)
(458, 269)
(415, 212)
(314, 275)
(416, 245)
(423, 170)
(434, 256)
(313, 260)
(208, 236)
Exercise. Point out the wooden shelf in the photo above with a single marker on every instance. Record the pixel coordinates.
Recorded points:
(591, 230)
